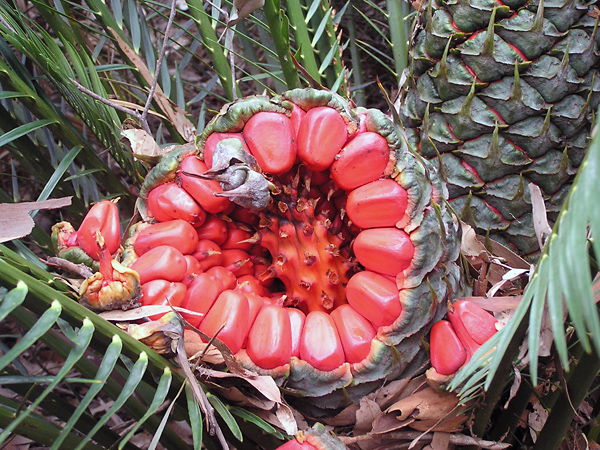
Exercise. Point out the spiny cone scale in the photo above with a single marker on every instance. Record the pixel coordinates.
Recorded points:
(501, 94)
(297, 289)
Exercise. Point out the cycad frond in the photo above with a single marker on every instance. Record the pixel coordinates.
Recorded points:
(138, 395)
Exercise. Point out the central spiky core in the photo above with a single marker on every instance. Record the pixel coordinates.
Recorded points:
(307, 257)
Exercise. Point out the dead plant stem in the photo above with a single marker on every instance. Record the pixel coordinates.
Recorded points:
(159, 61)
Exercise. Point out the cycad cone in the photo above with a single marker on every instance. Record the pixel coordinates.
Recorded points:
(328, 249)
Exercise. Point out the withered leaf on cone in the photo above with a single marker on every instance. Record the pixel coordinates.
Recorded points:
(143, 146)
(196, 348)
(239, 396)
(248, 388)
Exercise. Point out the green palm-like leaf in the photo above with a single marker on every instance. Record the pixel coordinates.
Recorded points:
(84, 339)
(30, 296)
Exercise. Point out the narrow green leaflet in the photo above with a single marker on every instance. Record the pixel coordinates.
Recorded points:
(12, 299)
(59, 172)
(108, 363)
(226, 416)
(195, 417)
(162, 390)
(22, 130)
(253, 418)
(135, 377)
(80, 346)
(45, 322)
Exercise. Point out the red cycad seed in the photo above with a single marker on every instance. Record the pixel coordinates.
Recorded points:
(221, 273)
(237, 262)
(320, 344)
(250, 284)
(255, 304)
(102, 217)
(270, 138)
(321, 136)
(476, 321)
(363, 160)
(212, 141)
(296, 117)
(375, 297)
(228, 319)
(162, 292)
(388, 251)
(237, 238)
(176, 233)
(214, 229)
(200, 296)
(169, 201)
(193, 270)
(356, 333)
(297, 319)
(270, 339)
(448, 354)
(161, 263)
(208, 254)
(202, 190)
(381, 203)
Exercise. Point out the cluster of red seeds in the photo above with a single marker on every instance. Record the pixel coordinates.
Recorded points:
(312, 275)
(454, 342)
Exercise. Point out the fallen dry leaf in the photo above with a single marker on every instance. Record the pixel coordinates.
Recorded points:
(470, 246)
(344, 418)
(516, 384)
(15, 221)
(391, 392)
(540, 219)
(440, 441)
(537, 418)
(432, 410)
(368, 411)
(243, 8)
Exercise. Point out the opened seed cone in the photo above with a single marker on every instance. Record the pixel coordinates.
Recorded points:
(326, 246)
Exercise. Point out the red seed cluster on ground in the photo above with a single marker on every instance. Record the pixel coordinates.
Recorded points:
(454, 342)
(305, 234)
